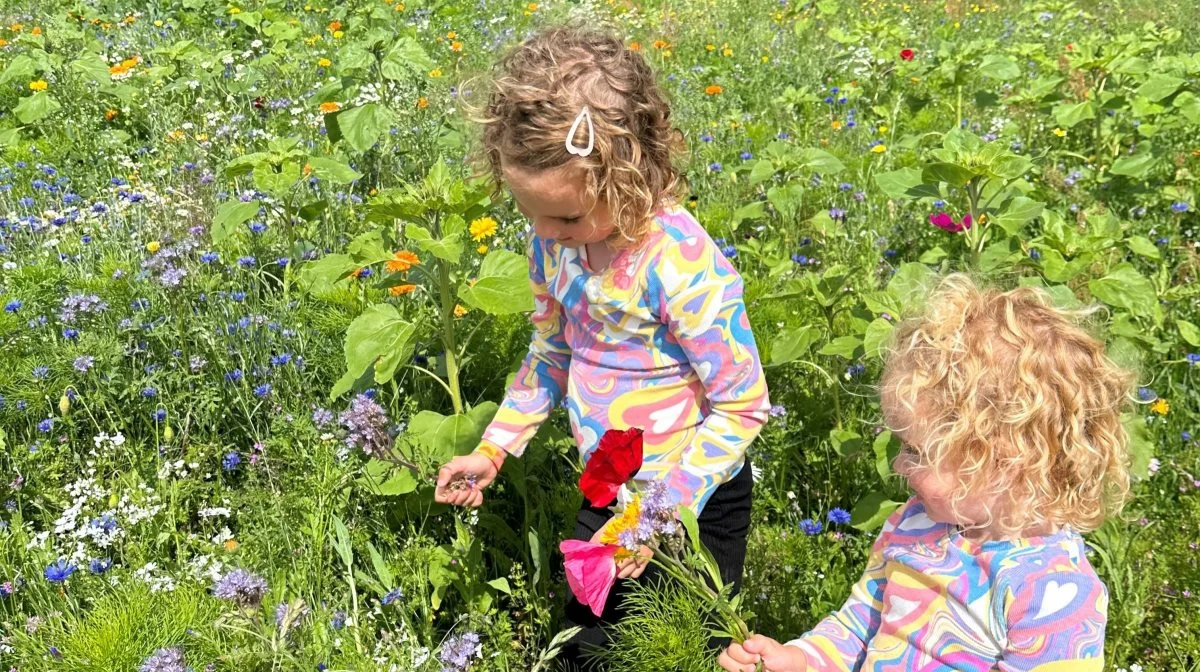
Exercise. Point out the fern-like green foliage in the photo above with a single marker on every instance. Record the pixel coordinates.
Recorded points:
(666, 628)
(129, 624)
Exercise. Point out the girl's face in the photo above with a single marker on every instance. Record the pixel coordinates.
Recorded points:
(555, 202)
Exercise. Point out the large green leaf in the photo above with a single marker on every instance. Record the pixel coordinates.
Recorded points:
(316, 276)
(1017, 213)
(846, 347)
(905, 183)
(360, 126)
(1124, 287)
(332, 170)
(793, 344)
(1136, 166)
(909, 284)
(1141, 446)
(998, 66)
(20, 68)
(1160, 86)
(1141, 245)
(879, 333)
(950, 173)
(229, 217)
(820, 161)
(1189, 105)
(872, 511)
(886, 447)
(405, 59)
(1189, 332)
(503, 285)
(763, 170)
(449, 248)
(380, 338)
(444, 436)
(33, 109)
(93, 67)
(1069, 114)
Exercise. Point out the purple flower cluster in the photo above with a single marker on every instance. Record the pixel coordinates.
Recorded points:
(242, 587)
(458, 651)
(165, 660)
(366, 423)
(75, 304)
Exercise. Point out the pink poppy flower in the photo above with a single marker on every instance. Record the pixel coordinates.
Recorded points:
(591, 571)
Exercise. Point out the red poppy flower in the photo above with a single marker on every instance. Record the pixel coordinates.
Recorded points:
(907, 54)
(613, 463)
(259, 102)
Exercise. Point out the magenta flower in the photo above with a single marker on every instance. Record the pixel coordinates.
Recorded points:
(946, 222)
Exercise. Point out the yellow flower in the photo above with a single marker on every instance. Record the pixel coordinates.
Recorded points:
(482, 249)
(710, 47)
(39, 85)
(3, 42)
(837, 125)
(1160, 406)
(883, 129)
(635, 46)
(234, 10)
(334, 26)
(660, 44)
(36, 30)
(399, 7)
(401, 261)
(231, 545)
(879, 149)
(459, 310)
(337, 34)
(17, 27)
(158, 24)
(436, 72)
(152, 246)
(727, 51)
(1060, 132)
(324, 62)
(766, 58)
(531, 7)
(628, 520)
(456, 46)
(483, 227)
(110, 114)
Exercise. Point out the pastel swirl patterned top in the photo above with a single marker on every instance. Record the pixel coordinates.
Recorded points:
(659, 340)
(931, 600)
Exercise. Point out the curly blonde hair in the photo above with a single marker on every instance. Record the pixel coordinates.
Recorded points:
(539, 87)
(1018, 405)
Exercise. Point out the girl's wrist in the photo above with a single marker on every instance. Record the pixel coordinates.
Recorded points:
(493, 452)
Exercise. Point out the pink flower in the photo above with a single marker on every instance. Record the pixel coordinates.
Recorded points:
(946, 222)
(591, 571)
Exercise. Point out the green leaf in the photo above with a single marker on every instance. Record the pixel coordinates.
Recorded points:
(933, 255)
(1136, 166)
(446, 436)
(763, 170)
(793, 344)
(317, 276)
(342, 542)
(886, 448)
(93, 67)
(845, 442)
(1159, 86)
(1016, 213)
(33, 109)
(332, 170)
(20, 69)
(843, 346)
(1141, 245)
(368, 249)
(820, 161)
(405, 59)
(872, 511)
(1010, 166)
(501, 584)
(692, 526)
(1124, 287)
(879, 333)
(751, 211)
(899, 183)
(1189, 332)
(1189, 105)
(230, 216)
(360, 126)
(1069, 114)
(909, 285)
(950, 173)
(310, 211)
(449, 248)
(379, 338)
(503, 285)
(997, 66)
(381, 569)
(1141, 446)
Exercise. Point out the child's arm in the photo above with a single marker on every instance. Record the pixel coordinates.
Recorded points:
(699, 296)
(1055, 623)
(541, 381)
(839, 642)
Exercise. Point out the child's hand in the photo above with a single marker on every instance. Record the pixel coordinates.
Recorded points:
(775, 657)
(629, 568)
(462, 480)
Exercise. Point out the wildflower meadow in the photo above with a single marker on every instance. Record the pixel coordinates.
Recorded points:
(254, 295)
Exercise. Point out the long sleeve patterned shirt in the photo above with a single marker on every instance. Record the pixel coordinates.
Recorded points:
(659, 340)
(932, 600)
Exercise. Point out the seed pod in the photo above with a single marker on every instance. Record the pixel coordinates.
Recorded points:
(168, 433)
(64, 405)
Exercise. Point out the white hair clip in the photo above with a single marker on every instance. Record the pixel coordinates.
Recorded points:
(570, 143)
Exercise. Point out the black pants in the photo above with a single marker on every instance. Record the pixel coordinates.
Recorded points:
(724, 524)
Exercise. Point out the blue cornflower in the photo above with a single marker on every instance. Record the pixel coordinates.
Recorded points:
(746, 155)
(392, 596)
(1034, 254)
(1185, 435)
(837, 213)
(800, 258)
(715, 167)
(262, 390)
(283, 261)
(13, 306)
(729, 251)
(1193, 358)
(811, 526)
(100, 565)
(41, 372)
(149, 392)
(845, 186)
(1146, 394)
(231, 460)
(258, 227)
(1180, 206)
(70, 334)
(59, 571)
(939, 204)
(706, 138)
(281, 359)
(210, 257)
(234, 375)
(839, 516)
(339, 620)
(245, 262)
(46, 425)
(160, 415)
(237, 296)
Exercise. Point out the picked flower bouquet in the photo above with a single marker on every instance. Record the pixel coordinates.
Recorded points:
(643, 516)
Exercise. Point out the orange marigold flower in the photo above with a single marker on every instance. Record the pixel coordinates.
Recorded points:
(401, 290)
(456, 46)
(110, 114)
(713, 89)
(402, 260)
(422, 103)
(660, 44)
(231, 545)
(36, 31)
(459, 310)
(331, 106)
(3, 42)
(335, 25)
(635, 46)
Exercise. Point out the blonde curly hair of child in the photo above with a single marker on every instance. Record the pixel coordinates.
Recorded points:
(1019, 406)
(534, 95)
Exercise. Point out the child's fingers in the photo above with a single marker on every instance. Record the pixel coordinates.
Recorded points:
(730, 664)
(760, 644)
(740, 656)
(476, 499)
